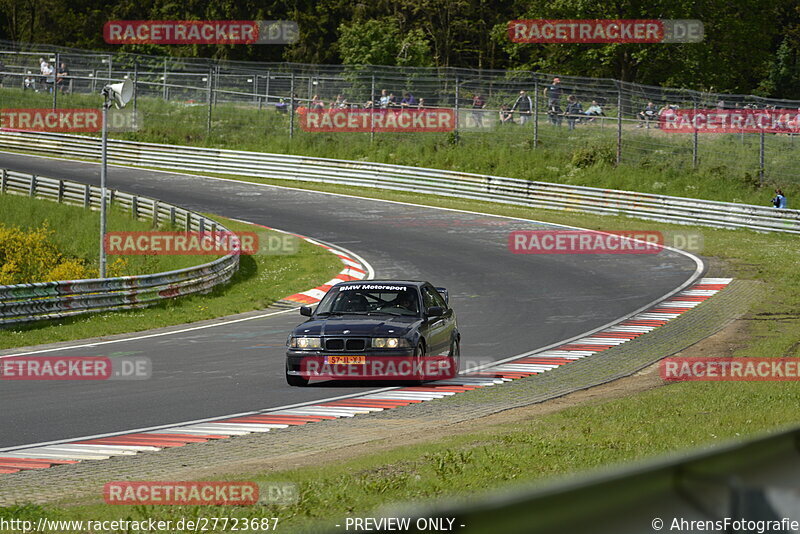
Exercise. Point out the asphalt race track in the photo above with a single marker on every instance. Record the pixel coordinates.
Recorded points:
(506, 303)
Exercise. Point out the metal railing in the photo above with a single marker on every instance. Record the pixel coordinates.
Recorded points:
(746, 481)
(22, 303)
(232, 91)
(414, 179)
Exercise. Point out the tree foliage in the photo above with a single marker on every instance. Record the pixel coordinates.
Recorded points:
(750, 45)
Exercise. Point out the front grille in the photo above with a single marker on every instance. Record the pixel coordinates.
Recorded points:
(351, 344)
(356, 344)
(334, 344)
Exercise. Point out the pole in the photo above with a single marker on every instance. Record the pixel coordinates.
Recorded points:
(266, 91)
(55, 82)
(135, 85)
(103, 172)
(165, 79)
(372, 111)
(535, 111)
(694, 135)
(208, 97)
(255, 88)
(619, 126)
(457, 96)
(761, 170)
(291, 107)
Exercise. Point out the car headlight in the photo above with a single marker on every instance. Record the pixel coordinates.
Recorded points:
(305, 342)
(389, 342)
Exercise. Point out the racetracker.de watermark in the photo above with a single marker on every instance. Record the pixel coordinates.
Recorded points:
(378, 120)
(201, 32)
(730, 121)
(75, 368)
(602, 242)
(199, 493)
(199, 243)
(730, 369)
(67, 120)
(606, 31)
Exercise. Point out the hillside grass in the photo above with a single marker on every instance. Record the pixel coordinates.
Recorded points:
(728, 164)
(261, 280)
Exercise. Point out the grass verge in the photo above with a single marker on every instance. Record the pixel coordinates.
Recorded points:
(576, 439)
(728, 164)
(261, 280)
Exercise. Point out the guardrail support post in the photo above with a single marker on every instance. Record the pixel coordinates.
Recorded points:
(135, 207)
(188, 222)
(87, 196)
(202, 225)
(60, 191)
(32, 190)
(172, 217)
(155, 213)
(4, 181)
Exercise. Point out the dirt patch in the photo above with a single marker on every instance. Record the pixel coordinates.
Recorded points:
(726, 341)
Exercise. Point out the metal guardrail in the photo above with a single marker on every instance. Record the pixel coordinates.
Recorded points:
(546, 195)
(747, 481)
(21, 303)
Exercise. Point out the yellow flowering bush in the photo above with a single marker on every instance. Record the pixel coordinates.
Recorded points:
(30, 256)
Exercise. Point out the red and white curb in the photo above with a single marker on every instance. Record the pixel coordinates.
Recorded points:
(353, 270)
(41, 457)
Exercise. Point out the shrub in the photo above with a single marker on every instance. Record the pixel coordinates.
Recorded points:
(30, 256)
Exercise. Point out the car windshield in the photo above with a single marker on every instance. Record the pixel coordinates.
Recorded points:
(368, 299)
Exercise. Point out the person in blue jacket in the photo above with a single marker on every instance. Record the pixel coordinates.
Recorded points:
(780, 199)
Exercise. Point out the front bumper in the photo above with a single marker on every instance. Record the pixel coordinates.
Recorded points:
(396, 365)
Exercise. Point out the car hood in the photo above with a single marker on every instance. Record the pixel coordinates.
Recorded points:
(366, 326)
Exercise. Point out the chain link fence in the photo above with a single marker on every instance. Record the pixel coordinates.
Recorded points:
(263, 99)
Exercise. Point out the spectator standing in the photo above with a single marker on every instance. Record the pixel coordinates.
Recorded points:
(384, 100)
(61, 77)
(478, 103)
(44, 69)
(553, 94)
(421, 104)
(51, 78)
(524, 105)
(574, 111)
(392, 100)
(780, 199)
(317, 104)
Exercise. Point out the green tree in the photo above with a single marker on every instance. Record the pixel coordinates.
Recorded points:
(383, 42)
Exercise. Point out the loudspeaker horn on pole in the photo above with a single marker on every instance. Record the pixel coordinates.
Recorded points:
(120, 93)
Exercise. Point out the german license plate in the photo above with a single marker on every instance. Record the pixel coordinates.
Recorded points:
(346, 360)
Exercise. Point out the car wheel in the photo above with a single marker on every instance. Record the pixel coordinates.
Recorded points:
(455, 357)
(419, 353)
(297, 381)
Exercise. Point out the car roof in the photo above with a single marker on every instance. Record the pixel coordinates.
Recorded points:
(416, 283)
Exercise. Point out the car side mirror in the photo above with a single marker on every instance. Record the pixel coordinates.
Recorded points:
(306, 310)
(434, 311)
